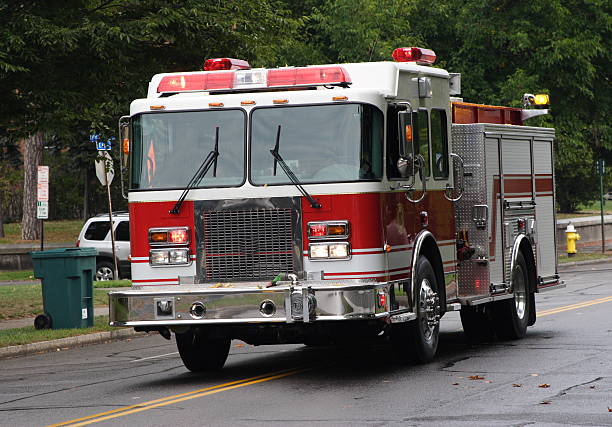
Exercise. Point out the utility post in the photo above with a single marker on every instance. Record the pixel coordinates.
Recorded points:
(601, 169)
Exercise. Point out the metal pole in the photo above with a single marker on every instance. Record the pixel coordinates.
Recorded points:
(603, 232)
(110, 216)
(42, 234)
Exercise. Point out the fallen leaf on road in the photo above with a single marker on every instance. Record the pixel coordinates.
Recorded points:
(592, 386)
(545, 402)
(476, 377)
(544, 385)
(609, 409)
(535, 375)
(517, 385)
(455, 383)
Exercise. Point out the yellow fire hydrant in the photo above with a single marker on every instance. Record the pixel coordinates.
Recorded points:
(571, 235)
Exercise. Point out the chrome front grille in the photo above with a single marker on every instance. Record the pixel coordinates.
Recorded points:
(247, 244)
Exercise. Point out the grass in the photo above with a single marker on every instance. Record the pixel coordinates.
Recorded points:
(55, 232)
(20, 301)
(17, 275)
(28, 334)
(584, 256)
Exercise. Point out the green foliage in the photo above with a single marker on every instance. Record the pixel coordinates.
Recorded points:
(74, 69)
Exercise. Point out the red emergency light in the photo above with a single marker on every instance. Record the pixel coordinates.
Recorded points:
(216, 64)
(241, 79)
(305, 76)
(414, 54)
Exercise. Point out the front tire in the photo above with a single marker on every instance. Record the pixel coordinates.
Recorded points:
(417, 341)
(201, 353)
(511, 317)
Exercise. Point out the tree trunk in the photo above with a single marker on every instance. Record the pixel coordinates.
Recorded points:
(32, 156)
(1, 221)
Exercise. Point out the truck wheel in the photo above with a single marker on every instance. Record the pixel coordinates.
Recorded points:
(105, 271)
(200, 353)
(417, 341)
(477, 323)
(511, 317)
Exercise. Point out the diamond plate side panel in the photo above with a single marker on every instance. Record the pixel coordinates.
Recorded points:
(472, 275)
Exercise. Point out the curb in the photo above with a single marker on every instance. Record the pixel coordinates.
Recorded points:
(68, 342)
(587, 262)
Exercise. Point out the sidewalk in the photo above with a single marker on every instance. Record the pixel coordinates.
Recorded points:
(29, 321)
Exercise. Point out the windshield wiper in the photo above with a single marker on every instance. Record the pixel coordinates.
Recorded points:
(210, 160)
(278, 159)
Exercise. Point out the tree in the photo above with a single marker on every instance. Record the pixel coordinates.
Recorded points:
(69, 70)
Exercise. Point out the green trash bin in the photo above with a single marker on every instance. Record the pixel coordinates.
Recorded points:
(67, 287)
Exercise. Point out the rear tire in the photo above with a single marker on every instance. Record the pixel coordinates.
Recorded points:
(511, 317)
(417, 341)
(105, 270)
(201, 353)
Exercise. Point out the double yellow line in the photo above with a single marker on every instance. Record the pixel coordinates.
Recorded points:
(574, 306)
(164, 401)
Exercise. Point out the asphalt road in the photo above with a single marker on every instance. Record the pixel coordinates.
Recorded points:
(561, 374)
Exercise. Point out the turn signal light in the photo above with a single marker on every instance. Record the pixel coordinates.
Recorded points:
(215, 64)
(328, 229)
(168, 236)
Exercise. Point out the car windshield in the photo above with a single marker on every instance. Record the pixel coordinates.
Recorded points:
(169, 147)
(319, 143)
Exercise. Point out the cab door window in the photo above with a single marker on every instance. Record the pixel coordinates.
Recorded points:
(439, 144)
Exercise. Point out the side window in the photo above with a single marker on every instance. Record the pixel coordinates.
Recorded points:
(439, 143)
(422, 138)
(97, 230)
(122, 232)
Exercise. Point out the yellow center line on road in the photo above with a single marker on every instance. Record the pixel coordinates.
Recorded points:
(115, 413)
(574, 306)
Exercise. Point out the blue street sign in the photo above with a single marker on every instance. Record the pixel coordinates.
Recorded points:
(103, 145)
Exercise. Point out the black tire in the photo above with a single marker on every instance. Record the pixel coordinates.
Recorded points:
(511, 317)
(201, 353)
(417, 341)
(43, 321)
(477, 323)
(105, 270)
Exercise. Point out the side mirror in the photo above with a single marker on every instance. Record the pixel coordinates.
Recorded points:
(405, 133)
(124, 148)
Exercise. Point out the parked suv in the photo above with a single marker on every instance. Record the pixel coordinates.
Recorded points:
(96, 234)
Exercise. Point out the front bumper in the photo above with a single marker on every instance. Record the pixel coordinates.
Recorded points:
(241, 303)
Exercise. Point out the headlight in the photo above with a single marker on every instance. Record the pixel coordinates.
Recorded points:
(336, 250)
(169, 257)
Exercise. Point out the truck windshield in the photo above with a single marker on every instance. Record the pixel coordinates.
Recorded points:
(320, 143)
(169, 147)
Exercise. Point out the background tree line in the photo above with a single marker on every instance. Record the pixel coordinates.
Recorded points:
(71, 68)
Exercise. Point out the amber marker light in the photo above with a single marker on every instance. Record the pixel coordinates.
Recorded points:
(215, 104)
(340, 98)
(126, 146)
(247, 103)
(157, 107)
(337, 230)
(280, 101)
(541, 99)
(158, 236)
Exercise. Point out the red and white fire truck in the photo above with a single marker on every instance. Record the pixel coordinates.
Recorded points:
(332, 202)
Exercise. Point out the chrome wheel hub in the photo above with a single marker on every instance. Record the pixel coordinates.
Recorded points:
(520, 292)
(429, 309)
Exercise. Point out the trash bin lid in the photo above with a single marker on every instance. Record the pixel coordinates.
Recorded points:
(65, 253)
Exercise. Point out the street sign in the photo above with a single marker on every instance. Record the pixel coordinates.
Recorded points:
(601, 167)
(101, 145)
(42, 195)
(42, 209)
(104, 166)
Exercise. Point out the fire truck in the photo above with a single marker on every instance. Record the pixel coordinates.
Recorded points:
(332, 203)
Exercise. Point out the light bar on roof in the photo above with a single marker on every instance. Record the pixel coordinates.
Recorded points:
(252, 79)
(414, 54)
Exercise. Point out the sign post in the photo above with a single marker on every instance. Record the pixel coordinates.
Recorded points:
(601, 169)
(105, 174)
(42, 200)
